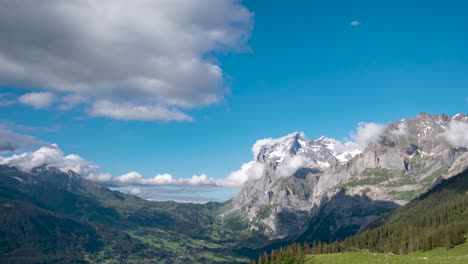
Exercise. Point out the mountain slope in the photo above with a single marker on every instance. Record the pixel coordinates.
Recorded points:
(31, 233)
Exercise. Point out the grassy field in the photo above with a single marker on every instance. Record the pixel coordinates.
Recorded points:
(458, 254)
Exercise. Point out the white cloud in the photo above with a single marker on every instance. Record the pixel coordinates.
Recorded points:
(355, 23)
(53, 156)
(402, 130)
(201, 179)
(135, 178)
(367, 133)
(148, 54)
(99, 177)
(249, 170)
(457, 134)
(71, 100)
(135, 191)
(38, 100)
(126, 111)
(291, 165)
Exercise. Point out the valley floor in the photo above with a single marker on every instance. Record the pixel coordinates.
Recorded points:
(458, 254)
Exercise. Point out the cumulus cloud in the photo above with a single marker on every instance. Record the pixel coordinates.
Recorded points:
(249, 170)
(457, 134)
(38, 100)
(11, 141)
(367, 133)
(355, 23)
(146, 55)
(53, 156)
(402, 130)
(99, 177)
(135, 178)
(345, 146)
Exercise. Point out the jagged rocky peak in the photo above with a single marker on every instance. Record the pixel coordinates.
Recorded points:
(421, 135)
(280, 148)
(460, 117)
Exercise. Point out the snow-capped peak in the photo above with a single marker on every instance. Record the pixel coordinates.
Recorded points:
(280, 148)
(343, 152)
(324, 151)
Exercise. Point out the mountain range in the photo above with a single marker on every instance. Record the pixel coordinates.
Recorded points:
(302, 191)
(306, 180)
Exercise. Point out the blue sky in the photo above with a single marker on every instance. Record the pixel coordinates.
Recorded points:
(304, 68)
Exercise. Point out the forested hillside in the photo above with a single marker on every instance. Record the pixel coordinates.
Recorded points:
(49, 216)
(438, 218)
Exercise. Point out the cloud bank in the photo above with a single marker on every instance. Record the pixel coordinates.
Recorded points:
(53, 156)
(130, 60)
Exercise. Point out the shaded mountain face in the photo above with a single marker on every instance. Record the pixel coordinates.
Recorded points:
(437, 218)
(302, 179)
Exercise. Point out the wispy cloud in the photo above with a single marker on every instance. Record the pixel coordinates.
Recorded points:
(7, 99)
(355, 23)
(38, 100)
(11, 140)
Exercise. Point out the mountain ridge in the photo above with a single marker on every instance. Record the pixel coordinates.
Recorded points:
(408, 157)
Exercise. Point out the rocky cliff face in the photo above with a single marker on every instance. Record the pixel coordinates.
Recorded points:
(304, 180)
